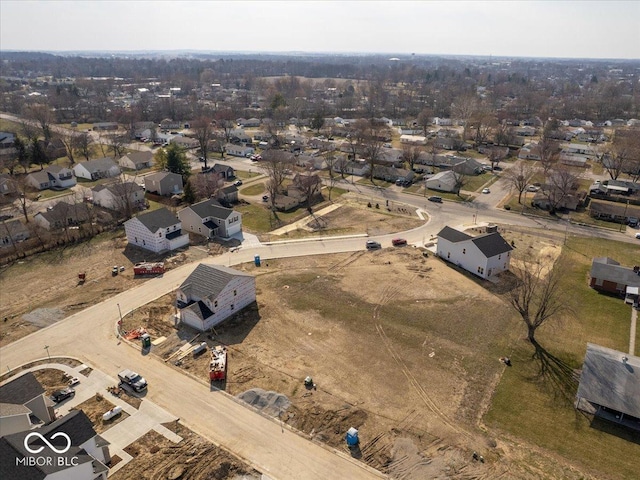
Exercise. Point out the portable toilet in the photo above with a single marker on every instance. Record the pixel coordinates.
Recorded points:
(352, 437)
(146, 340)
(256, 260)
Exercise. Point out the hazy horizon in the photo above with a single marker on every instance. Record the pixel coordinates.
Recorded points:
(517, 29)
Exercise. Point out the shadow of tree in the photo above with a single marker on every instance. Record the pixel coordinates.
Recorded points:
(561, 377)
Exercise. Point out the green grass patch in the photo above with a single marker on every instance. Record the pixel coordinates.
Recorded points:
(476, 182)
(244, 174)
(256, 189)
(10, 126)
(259, 219)
(530, 407)
(376, 183)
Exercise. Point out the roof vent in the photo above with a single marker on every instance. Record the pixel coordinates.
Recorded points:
(624, 359)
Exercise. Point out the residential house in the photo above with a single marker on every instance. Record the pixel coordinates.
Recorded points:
(311, 162)
(613, 211)
(228, 195)
(62, 215)
(225, 171)
(136, 160)
(7, 184)
(158, 231)
(86, 457)
(609, 386)
(525, 131)
(445, 181)
(23, 391)
(54, 176)
(347, 167)
(413, 140)
(450, 143)
(163, 183)
(119, 196)
(609, 276)
(185, 142)
(238, 150)
(12, 231)
(392, 174)
(168, 124)
(213, 293)
(248, 122)
(6, 140)
(95, 169)
(551, 197)
(239, 137)
(485, 255)
(210, 219)
(529, 151)
(105, 126)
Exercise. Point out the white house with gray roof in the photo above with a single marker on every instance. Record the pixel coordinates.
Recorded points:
(163, 183)
(83, 455)
(52, 176)
(157, 231)
(210, 219)
(136, 160)
(213, 293)
(98, 168)
(485, 255)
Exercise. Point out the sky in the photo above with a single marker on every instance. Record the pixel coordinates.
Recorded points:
(552, 28)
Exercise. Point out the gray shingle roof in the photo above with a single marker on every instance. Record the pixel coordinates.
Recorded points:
(605, 268)
(139, 157)
(156, 219)
(453, 235)
(211, 208)
(492, 244)
(207, 281)
(21, 390)
(99, 164)
(609, 381)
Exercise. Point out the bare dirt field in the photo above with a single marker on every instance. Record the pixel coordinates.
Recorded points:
(401, 346)
(193, 458)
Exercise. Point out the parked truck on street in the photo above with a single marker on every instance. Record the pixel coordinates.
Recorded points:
(133, 380)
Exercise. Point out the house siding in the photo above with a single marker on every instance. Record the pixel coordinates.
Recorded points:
(228, 304)
(467, 255)
(138, 234)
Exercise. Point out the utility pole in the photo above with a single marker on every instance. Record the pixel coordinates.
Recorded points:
(624, 216)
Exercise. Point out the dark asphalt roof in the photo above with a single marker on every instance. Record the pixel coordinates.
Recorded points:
(210, 208)
(492, 244)
(207, 281)
(156, 219)
(21, 390)
(76, 424)
(453, 235)
(605, 268)
(609, 381)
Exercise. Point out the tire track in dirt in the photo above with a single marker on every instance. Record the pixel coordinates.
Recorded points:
(341, 264)
(390, 292)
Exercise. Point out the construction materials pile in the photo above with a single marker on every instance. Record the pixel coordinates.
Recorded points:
(271, 403)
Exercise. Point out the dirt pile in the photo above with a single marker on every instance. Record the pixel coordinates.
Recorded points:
(271, 403)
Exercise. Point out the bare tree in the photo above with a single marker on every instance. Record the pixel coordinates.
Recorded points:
(331, 161)
(118, 144)
(496, 155)
(309, 185)
(561, 183)
(42, 115)
(537, 295)
(410, 155)
(69, 140)
(518, 176)
(425, 117)
(460, 180)
(464, 108)
(547, 150)
(206, 185)
(203, 130)
(275, 163)
(83, 145)
(225, 122)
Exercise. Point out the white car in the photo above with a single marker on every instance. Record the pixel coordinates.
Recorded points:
(532, 188)
(486, 190)
(638, 236)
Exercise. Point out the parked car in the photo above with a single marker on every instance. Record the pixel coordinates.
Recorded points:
(265, 198)
(638, 236)
(532, 188)
(60, 395)
(237, 183)
(398, 242)
(373, 245)
(486, 190)
(435, 199)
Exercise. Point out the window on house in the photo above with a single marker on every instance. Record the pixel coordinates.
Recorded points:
(167, 230)
(143, 242)
(215, 304)
(464, 251)
(448, 254)
(499, 257)
(235, 292)
(232, 306)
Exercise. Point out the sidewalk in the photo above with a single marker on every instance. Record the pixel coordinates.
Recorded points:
(300, 224)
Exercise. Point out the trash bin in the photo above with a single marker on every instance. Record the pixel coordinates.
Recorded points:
(256, 260)
(146, 340)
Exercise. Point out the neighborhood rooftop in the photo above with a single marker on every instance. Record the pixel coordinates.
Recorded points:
(209, 280)
(156, 219)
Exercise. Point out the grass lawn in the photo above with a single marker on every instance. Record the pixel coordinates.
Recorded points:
(259, 219)
(530, 407)
(244, 175)
(476, 182)
(378, 183)
(9, 126)
(255, 189)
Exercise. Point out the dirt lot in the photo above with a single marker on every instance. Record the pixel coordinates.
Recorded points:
(193, 458)
(403, 347)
